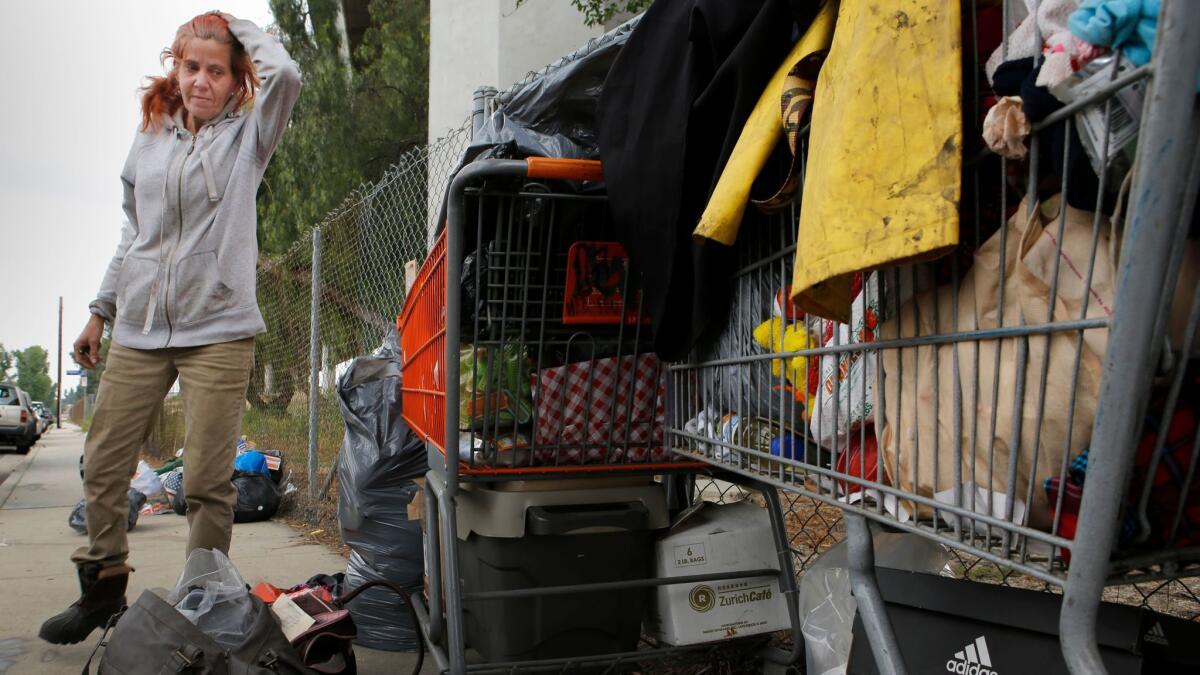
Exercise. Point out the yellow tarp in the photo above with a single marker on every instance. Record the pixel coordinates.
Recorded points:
(882, 181)
(723, 215)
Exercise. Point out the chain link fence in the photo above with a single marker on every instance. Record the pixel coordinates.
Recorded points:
(348, 276)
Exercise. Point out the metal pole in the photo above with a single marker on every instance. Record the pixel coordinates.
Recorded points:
(314, 364)
(479, 108)
(860, 549)
(1153, 228)
(456, 217)
(58, 386)
(787, 578)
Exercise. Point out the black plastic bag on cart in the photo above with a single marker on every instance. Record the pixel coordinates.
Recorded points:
(78, 518)
(381, 470)
(553, 114)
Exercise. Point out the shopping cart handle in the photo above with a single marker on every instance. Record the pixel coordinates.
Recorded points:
(564, 169)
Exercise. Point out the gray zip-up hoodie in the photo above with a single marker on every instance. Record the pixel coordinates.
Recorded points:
(184, 272)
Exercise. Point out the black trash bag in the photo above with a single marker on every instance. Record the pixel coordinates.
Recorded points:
(553, 114)
(179, 501)
(78, 518)
(380, 465)
(382, 620)
(136, 501)
(257, 497)
(472, 296)
(334, 583)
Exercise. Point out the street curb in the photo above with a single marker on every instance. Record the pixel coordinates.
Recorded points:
(17, 475)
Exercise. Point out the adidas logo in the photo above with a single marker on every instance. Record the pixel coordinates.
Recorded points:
(1156, 634)
(974, 659)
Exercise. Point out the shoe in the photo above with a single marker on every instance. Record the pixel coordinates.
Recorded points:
(102, 594)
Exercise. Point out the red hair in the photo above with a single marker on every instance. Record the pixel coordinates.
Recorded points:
(162, 97)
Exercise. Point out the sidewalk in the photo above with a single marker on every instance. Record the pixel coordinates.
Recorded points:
(37, 578)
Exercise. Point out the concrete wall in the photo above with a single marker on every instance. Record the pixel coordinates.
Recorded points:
(493, 42)
(488, 42)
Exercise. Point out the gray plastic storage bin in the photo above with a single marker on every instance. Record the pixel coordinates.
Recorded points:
(519, 536)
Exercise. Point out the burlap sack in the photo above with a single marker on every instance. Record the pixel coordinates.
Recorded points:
(917, 421)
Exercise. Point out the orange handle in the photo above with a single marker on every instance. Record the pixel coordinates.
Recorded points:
(564, 169)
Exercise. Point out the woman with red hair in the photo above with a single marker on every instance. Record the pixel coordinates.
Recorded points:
(180, 292)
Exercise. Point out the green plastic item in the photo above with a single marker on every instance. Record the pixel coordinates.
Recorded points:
(175, 463)
(494, 388)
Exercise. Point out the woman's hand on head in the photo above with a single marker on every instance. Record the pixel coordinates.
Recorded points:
(87, 345)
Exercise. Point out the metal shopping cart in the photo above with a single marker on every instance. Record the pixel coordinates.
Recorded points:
(525, 369)
(968, 408)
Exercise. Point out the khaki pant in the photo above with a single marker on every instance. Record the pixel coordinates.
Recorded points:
(212, 379)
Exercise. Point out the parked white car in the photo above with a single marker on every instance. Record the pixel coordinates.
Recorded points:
(18, 422)
(44, 416)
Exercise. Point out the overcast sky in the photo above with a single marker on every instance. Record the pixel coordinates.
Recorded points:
(71, 74)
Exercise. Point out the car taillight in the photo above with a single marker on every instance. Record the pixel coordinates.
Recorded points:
(24, 417)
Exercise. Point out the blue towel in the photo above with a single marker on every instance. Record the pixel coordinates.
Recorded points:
(252, 461)
(1127, 26)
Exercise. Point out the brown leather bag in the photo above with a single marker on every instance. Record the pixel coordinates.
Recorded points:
(327, 646)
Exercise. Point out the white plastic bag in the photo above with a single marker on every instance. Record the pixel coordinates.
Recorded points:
(827, 608)
(213, 596)
(146, 481)
(842, 374)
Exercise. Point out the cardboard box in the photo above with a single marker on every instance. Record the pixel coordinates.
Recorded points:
(948, 625)
(712, 539)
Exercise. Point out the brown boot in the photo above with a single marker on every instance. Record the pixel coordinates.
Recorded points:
(102, 595)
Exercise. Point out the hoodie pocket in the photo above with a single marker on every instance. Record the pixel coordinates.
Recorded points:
(210, 180)
(134, 286)
(199, 290)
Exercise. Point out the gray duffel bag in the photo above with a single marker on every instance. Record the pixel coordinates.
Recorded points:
(152, 638)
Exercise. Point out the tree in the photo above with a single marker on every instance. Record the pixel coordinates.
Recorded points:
(33, 373)
(351, 123)
(600, 12)
(348, 126)
(6, 362)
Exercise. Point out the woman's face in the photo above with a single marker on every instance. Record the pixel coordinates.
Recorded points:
(205, 80)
